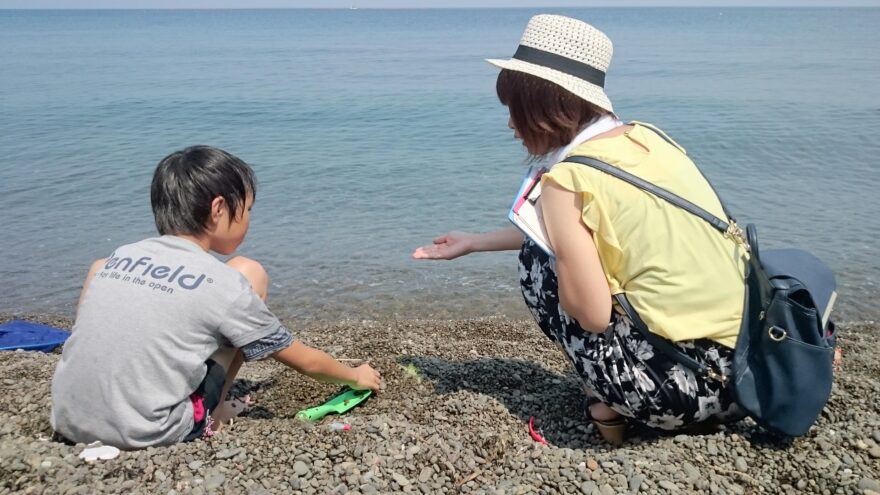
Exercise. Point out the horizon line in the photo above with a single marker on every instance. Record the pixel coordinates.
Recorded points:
(652, 6)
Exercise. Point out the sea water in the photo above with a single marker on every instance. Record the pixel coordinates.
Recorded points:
(372, 131)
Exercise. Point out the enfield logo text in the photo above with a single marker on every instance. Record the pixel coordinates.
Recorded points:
(157, 277)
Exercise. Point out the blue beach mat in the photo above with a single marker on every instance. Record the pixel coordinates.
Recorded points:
(20, 334)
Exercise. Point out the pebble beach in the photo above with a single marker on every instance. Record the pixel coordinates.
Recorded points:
(452, 418)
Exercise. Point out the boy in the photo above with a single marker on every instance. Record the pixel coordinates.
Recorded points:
(162, 326)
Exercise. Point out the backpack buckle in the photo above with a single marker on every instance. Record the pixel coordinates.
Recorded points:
(736, 233)
(718, 377)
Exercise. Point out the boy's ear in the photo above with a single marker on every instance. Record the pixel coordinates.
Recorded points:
(218, 209)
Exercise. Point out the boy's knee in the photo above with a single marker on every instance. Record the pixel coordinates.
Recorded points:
(254, 272)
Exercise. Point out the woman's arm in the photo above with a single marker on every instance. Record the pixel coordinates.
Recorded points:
(583, 288)
(454, 244)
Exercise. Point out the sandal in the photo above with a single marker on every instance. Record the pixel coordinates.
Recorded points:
(612, 431)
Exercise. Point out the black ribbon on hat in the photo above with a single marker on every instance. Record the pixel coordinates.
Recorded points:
(562, 64)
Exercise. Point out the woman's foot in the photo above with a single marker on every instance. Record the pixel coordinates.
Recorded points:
(608, 422)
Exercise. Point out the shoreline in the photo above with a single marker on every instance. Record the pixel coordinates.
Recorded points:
(452, 418)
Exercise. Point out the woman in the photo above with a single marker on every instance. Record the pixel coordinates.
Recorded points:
(683, 278)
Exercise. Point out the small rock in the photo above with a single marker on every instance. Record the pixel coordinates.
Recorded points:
(214, 481)
(741, 464)
(227, 453)
(869, 484)
(587, 487)
(592, 465)
(672, 487)
(635, 482)
(400, 479)
(300, 468)
(874, 452)
(426, 474)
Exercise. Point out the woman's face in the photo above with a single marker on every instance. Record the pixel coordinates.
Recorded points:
(510, 124)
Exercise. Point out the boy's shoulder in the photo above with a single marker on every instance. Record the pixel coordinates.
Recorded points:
(175, 262)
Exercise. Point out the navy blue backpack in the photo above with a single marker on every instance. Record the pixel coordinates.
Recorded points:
(782, 365)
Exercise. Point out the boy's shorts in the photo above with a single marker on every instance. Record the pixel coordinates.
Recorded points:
(206, 398)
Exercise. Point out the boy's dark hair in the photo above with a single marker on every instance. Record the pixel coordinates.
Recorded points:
(187, 181)
(546, 115)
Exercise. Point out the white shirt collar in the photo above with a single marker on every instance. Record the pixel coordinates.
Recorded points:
(600, 126)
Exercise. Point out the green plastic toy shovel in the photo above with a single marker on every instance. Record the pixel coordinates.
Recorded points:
(340, 404)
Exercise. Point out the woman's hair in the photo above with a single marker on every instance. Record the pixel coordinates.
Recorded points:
(187, 181)
(546, 115)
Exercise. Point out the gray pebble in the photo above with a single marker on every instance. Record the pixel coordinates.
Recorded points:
(400, 479)
(869, 484)
(668, 485)
(227, 453)
(425, 474)
(587, 487)
(214, 481)
(300, 468)
(635, 482)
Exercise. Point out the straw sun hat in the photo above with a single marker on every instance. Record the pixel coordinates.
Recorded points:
(565, 51)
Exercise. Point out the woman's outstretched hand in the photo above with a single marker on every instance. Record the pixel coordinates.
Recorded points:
(446, 247)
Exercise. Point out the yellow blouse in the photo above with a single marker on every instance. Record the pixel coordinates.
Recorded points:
(683, 277)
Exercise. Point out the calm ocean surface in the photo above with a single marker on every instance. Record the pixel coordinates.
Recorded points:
(372, 131)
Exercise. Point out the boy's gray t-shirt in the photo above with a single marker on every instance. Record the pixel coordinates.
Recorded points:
(150, 318)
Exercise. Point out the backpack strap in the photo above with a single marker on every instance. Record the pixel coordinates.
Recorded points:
(664, 345)
(658, 191)
(728, 228)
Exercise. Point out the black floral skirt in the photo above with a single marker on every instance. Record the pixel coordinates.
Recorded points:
(619, 367)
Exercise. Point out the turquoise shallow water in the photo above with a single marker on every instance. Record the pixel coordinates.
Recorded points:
(371, 131)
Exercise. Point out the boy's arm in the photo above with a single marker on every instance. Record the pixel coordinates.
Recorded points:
(92, 270)
(321, 366)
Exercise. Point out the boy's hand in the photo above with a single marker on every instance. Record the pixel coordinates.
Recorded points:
(365, 377)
